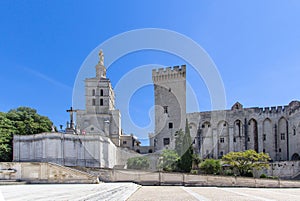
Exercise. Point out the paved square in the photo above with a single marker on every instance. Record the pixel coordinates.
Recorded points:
(134, 192)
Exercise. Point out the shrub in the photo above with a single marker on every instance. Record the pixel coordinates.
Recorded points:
(138, 163)
(248, 174)
(245, 161)
(210, 166)
(228, 173)
(263, 176)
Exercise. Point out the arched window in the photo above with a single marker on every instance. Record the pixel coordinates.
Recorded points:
(295, 157)
(101, 92)
(101, 102)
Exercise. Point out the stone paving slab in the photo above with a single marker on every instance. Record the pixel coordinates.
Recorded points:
(174, 193)
(134, 192)
(153, 193)
(77, 192)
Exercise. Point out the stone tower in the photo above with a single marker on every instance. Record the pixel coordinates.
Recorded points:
(99, 94)
(170, 105)
(100, 116)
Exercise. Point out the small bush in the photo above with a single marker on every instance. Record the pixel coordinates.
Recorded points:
(210, 166)
(263, 176)
(228, 173)
(138, 163)
(194, 171)
(248, 174)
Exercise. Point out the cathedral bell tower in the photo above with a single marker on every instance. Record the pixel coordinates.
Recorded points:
(100, 116)
(100, 98)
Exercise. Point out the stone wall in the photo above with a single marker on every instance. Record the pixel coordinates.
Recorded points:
(274, 130)
(43, 173)
(283, 170)
(160, 178)
(69, 150)
(123, 154)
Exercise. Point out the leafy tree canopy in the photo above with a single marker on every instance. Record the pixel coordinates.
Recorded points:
(27, 121)
(168, 160)
(246, 161)
(6, 132)
(21, 121)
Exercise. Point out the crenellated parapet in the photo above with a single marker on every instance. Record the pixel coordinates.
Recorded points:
(274, 109)
(169, 73)
(294, 106)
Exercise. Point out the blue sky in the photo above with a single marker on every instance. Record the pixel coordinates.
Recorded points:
(254, 44)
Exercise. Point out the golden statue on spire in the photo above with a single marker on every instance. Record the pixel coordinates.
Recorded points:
(101, 58)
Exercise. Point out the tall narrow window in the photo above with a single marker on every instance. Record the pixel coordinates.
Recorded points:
(101, 102)
(170, 125)
(94, 101)
(101, 92)
(238, 124)
(264, 137)
(282, 136)
(93, 92)
(165, 109)
(222, 140)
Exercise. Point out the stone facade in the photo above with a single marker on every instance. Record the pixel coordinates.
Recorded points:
(70, 150)
(170, 105)
(274, 130)
(97, 139)
(100, 116)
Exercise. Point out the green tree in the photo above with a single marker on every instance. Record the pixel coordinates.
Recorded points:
(21, 121)
(27, 121)
(186, 161)
(210, 166)
(179, 142)
(168, 160)
(138, 163)
(245, 162)
(6, 134)
(183, 146)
